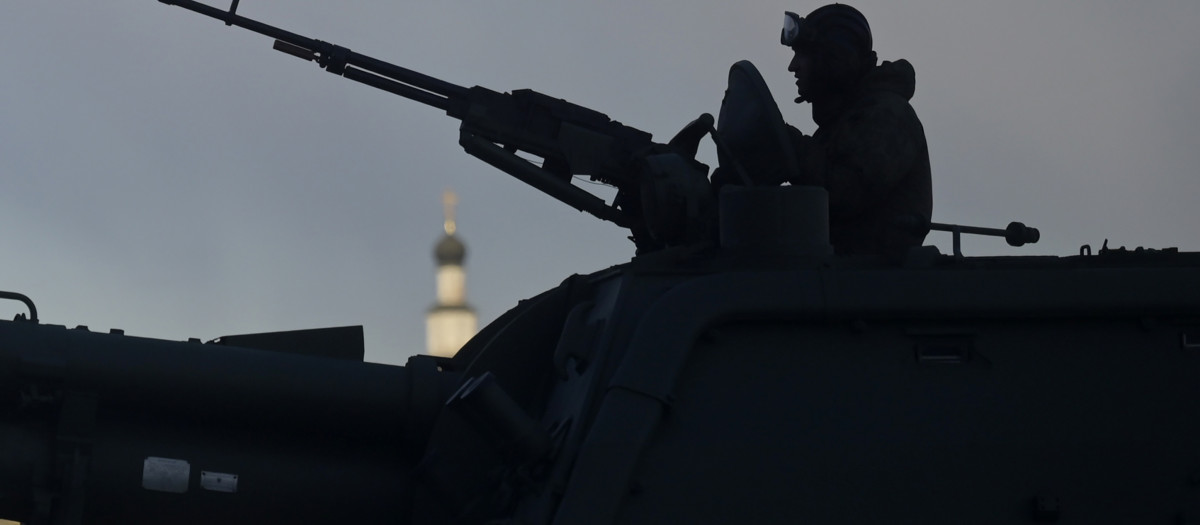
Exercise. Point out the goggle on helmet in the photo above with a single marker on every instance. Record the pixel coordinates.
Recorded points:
(838, 23)
(796, 30)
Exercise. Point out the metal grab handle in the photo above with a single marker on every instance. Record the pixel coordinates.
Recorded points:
(24, 299)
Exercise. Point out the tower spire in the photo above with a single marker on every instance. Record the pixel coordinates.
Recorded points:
(449, 200)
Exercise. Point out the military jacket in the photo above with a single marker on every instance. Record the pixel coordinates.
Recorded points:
(869, 152)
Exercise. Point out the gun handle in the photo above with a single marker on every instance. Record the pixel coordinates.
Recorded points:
(294, 50)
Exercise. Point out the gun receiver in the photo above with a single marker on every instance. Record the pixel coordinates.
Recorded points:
(568, 138)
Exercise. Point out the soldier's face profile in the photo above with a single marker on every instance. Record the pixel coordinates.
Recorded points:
(801, 68)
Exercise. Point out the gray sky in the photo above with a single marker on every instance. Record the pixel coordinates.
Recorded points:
(168, 175)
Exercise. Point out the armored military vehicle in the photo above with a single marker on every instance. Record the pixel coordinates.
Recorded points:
(734, 371)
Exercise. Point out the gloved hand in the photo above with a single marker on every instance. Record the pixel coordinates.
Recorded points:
(687, 141)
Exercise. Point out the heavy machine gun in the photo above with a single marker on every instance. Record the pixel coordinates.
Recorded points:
(505, 129)
(663, 196)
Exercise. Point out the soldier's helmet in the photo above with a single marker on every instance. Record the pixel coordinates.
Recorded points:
(837, 36)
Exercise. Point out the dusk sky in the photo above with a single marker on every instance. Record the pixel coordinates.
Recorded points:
(168, 175)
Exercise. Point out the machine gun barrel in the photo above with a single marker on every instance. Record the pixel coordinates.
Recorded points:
(344, 62)
(569, 139)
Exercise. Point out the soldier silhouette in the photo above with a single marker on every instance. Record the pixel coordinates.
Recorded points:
(869, 149)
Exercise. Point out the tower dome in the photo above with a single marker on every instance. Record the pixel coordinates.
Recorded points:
(449, 250)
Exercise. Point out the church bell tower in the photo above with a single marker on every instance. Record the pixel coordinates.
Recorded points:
(451, 321)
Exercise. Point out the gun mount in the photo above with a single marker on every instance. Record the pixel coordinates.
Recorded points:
(759, 378)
